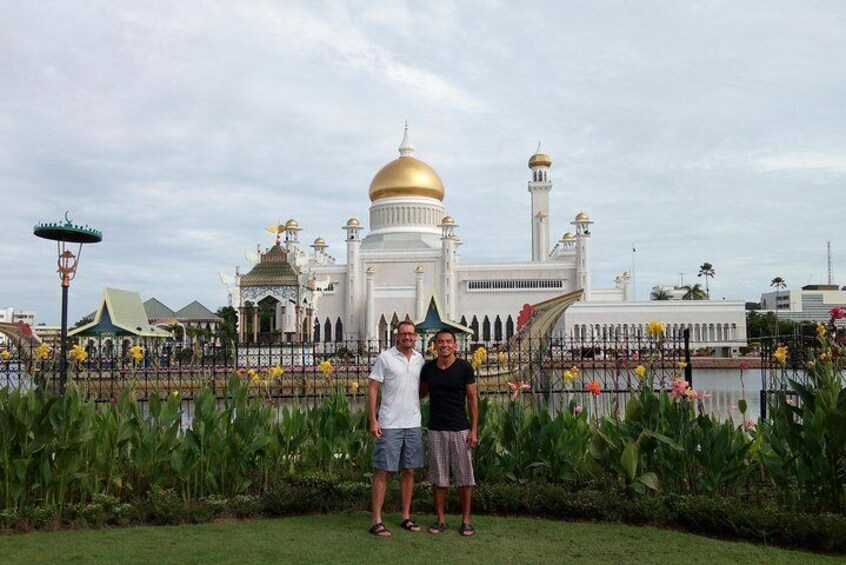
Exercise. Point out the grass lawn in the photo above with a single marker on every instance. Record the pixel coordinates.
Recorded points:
(342, 538)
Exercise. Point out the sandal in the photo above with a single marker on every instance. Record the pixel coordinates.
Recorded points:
(467, 530)
(437, 528)
(410, 525)
(379, 530)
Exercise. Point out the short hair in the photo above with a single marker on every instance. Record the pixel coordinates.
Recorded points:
(407, 323)
(446, 331)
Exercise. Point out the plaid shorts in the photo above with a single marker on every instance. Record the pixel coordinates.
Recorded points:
(448, 452)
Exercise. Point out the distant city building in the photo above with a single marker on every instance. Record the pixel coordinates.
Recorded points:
(812, 303)
(11, 316)
(51, 335)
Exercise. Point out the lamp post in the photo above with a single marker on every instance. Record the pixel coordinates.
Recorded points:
(65, 235)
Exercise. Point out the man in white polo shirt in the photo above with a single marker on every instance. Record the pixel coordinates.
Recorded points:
(397, 427)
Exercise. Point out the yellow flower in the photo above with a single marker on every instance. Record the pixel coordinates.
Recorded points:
(655, 329)
(5, 355)
(42, 351)
(825, 355)
(174, 393)
(275, 372)
(682, 364)
(252, 374)
(78, 353)
(136, 353)
(431, 349)
(821, 330)
(640, 371)
(479, 357)
(502, 357)
(255, 379)
(569, 376)
(325, 367)
(354, 386)
(780, 354)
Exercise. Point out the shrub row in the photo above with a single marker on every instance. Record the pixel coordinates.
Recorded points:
(717, 517)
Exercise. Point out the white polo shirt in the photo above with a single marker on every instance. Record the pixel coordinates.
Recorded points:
(400, 378)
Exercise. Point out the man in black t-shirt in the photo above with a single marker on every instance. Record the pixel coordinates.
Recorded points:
(450, 383)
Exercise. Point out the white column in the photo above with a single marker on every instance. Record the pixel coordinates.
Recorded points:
(421, 299)
(370, 330)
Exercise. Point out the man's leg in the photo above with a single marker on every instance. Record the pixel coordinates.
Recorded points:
(406, 491)
(380, 483)
(465, 495)
(439, 497)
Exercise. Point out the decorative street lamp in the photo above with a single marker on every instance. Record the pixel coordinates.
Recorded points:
(63, 235)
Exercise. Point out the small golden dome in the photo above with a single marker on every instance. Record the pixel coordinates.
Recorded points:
(352, 223)
(406, 176)
(447, 221)
(292, 225)
(582, 217)
(320, 242)
(419, 269)
(567, 236)
(540, 160)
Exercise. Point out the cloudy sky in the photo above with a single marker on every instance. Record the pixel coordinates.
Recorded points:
(695, 131)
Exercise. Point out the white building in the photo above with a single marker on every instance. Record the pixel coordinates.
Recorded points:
(11, 316)
(811, 303)
(410, 253)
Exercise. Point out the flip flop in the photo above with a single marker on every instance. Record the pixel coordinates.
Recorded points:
(379, 530)
(437, 528)
(410, 525)
(467, 530)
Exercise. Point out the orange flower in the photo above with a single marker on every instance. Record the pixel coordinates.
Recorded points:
(594, 387)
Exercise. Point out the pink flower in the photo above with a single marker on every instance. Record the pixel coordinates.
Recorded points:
(677, 392)
(838, 313)
(750, 425)
(705, 395)
(517, 388)
(577, 409)
(744, 365)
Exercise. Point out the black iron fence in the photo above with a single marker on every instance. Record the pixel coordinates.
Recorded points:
(557, 370)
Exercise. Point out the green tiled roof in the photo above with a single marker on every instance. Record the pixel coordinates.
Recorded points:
(120, 311)
(273, 270)
(158, 311)
(196, 312)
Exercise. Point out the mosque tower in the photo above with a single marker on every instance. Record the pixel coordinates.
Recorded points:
(449, 258)
(539, 188)
(582, 224)
(353, 283)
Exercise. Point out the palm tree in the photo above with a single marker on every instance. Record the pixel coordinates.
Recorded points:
(660, 294)
(779, 284)
(707, 270)
(694, 292)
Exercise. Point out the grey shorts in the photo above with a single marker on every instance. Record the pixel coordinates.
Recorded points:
(399, 448)
(448, 452)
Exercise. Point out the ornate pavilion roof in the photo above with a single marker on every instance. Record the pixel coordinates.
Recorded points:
(272, 270)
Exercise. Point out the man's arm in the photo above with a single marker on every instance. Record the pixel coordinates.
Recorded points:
(424, 389)
(372, 395)
(473, 404)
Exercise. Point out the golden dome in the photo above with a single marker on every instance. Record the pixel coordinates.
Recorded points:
(406, 176)
(540, 160)
(568, 236)
(447, 221)
(292, 225)
(319, 242)
(352, 223)
(582, 217)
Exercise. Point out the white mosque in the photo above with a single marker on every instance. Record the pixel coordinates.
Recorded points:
(410, 253)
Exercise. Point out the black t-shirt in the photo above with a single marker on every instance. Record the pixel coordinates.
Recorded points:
(448, 394)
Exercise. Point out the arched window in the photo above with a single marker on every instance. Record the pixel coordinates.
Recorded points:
(316, 334)
(474, 325)
(327, 331)
(509, 328)
(486, 329)
(498, 329)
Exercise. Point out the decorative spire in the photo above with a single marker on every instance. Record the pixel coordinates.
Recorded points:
(405, 148)
(538, 150)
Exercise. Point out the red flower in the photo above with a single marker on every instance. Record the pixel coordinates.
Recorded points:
(838, 313)
(744, 365)
(593, 386)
